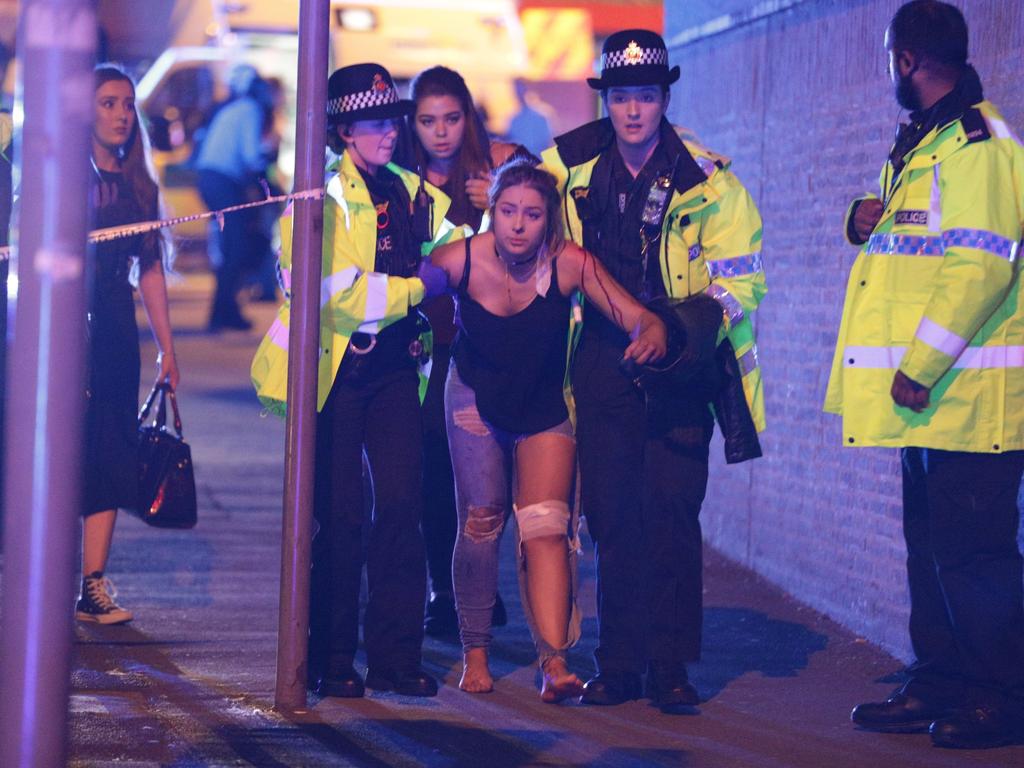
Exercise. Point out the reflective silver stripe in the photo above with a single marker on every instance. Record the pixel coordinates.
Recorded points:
(983, 240)
(935, 204)
(972, 357)
(942, 339)
(376, 301)
(733, 309)
(694, 252)
(337, 193)
(905, 245)
(337, 282)
(747, 264)
(748, 361)
(1002, 130)
(873, 357)
(278, 334)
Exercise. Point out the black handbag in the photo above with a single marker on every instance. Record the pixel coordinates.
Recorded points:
(167, 485)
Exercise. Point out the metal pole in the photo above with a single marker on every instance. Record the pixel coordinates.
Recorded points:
(57, 42)
(303, 344)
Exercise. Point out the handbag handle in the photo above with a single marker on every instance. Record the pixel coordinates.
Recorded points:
(163, 389)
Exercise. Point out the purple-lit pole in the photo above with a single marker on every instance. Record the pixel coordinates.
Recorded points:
(303, 345)
(57, 43)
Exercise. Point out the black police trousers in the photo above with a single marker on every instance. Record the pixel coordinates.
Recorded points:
(960, 520)
(643, 480)
(378, 414)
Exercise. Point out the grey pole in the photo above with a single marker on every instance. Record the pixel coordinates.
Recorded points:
(303, 345)
(57, 43)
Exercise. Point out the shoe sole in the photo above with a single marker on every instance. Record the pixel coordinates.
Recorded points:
(328, 693)
(921, 726)
(603, 703)
(100, 618)
(1009, 741)
(386, 686)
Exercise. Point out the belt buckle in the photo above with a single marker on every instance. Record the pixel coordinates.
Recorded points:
(357, 350)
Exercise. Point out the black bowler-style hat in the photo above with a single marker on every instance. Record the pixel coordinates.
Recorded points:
(634, 57)
(364, 92)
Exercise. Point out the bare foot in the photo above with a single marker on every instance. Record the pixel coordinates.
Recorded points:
(558, 682)
(476, 677)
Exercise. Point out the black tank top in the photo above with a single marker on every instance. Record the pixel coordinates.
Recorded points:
(516, 364)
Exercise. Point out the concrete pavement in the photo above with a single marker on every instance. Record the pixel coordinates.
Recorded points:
(190, 682)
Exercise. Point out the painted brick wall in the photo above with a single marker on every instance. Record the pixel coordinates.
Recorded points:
(801, 102)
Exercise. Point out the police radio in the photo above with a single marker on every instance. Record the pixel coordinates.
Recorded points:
(655, 208)
(657, 203)
(422, 215)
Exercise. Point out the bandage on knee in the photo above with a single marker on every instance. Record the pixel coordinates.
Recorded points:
(545, 518)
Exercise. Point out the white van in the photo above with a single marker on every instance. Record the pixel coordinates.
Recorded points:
(483, 40)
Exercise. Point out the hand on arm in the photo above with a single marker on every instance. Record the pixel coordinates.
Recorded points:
(435, 279)
(647, 331)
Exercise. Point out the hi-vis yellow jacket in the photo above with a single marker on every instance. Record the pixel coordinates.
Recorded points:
(935, 292)
(710, 238)
(352, 296)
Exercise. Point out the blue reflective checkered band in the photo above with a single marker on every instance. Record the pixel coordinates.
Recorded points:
(905, 245)
(733, 309)
(736, 266)
(925, 245)
(995, 244)
(748, 361)
(694, 252)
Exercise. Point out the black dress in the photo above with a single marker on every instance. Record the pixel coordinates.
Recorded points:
(110, 460)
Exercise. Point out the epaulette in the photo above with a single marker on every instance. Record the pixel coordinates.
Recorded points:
(975, 127)
(585, 143)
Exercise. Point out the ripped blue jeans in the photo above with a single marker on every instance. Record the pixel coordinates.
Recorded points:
(483, 458)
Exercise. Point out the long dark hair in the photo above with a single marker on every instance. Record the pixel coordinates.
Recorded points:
(474, 156)
(136, 166)
(522, 170)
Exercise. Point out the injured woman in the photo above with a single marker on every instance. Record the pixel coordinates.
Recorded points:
(508, 422)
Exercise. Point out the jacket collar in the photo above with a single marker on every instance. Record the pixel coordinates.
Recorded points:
(950, 108)
(585, 143)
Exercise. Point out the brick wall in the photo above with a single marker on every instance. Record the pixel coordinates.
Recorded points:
(801, 102)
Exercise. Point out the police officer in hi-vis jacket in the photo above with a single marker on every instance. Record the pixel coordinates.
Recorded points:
(668, 220)
(379, 220)
(930, 360)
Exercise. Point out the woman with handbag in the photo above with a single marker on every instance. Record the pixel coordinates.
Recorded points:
(451, 150)
(378, 221)
(123, 192)
(508, 419)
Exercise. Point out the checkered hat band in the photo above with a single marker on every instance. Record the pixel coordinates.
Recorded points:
(350, 102)
(614, 59)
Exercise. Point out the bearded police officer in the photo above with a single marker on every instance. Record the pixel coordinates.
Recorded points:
(930, 359)
(669, 220)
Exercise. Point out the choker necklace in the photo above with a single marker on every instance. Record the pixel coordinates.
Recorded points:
(521, 263)
(508, 274)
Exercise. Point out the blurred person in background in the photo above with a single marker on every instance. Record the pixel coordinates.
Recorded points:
(123, 191)
(528, 126)
(232, 160)
(265, 275)
(452, 151)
